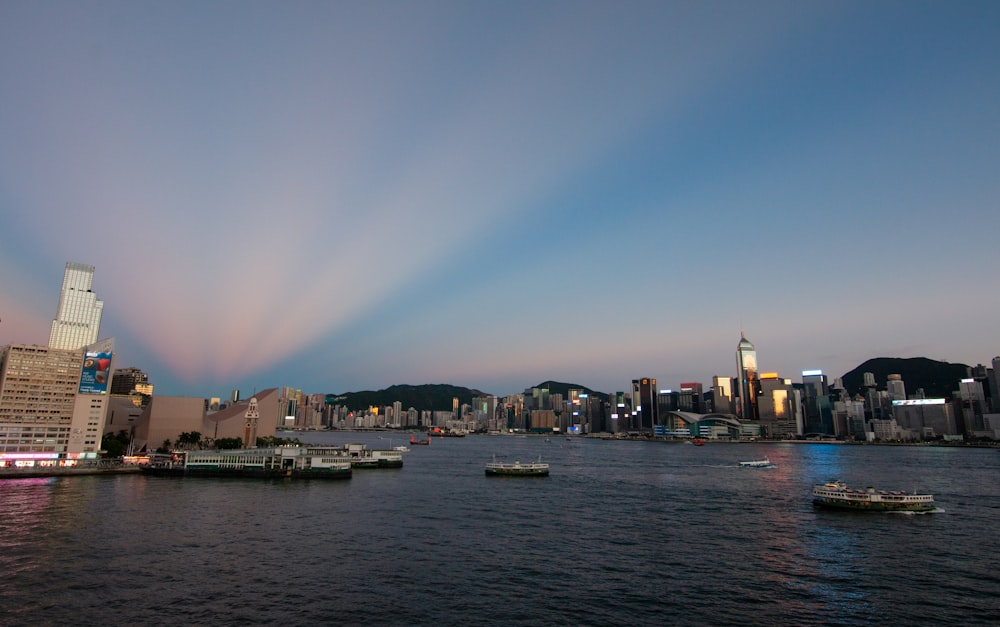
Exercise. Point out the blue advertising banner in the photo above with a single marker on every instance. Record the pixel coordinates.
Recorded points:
(96, 372)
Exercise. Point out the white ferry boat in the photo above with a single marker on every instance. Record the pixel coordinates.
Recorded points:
(757, 463)
(363, 457)
(517, 469)
(837, 495)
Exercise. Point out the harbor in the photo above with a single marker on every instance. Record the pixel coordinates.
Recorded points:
(412, 529)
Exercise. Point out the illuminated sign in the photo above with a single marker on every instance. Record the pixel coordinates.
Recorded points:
(920, 401)
(812, 373)
(29, 455)
(772, 375)
(96, 372)
(968, 381)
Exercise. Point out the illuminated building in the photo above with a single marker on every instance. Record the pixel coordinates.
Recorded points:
(746, 370)
(818, 417)
(926, 417)
(644, 402)
(577, 408)
(133, 383)
(722, 395)
(896, 387)
(52, 404)
(778, 406)
(78, 318)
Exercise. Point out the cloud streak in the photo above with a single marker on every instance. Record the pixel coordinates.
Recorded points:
(265, 187)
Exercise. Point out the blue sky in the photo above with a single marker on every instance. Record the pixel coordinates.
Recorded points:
(338, 196)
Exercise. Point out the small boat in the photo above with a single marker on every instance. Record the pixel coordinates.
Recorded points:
(698, 442)
(517, 469)
(757, 463)
(414, 441)
(401, 449)
(837, 495)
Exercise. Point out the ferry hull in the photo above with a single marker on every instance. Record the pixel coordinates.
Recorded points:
(865, 506)
(248, 473)
(517, 470)
(517, 473)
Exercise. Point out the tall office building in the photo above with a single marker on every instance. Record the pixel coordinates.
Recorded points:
(722, 395)
(896, 387)
(78, 319)
(746, 370)
(818, 417)
(644, 403)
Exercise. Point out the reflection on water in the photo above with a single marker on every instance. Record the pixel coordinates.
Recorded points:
(619, 533)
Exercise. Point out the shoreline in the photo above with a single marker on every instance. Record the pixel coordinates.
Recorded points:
(35, 473)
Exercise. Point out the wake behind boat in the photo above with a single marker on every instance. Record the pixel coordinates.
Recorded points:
(764, 462)
(517, 469)
(837, 495)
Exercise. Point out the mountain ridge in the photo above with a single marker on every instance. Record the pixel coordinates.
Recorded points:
(937, 379)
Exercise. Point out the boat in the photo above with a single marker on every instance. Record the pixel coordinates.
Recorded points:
(763, 462)
(361, 456)
(414, 441)
(698, 442)
(517, 469)
(280, 462)
(401, 449)
(837, 495)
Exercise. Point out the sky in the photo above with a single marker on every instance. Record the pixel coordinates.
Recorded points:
(343, 196)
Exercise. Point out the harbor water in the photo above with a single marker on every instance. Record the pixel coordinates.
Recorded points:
(620, 533)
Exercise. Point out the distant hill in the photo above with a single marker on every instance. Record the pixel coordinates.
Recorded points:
(937, 378)
(556, 387)
(433, 397)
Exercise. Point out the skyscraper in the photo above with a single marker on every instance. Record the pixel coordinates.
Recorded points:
(78, 319)
(746, 370)
(818, 417)
(896, 387)
(644, 404)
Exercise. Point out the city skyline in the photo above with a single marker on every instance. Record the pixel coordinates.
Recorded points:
(346, 197)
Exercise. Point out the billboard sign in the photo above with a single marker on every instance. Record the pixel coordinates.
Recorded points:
(96, 373)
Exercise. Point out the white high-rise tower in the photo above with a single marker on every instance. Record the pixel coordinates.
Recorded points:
(78, 320)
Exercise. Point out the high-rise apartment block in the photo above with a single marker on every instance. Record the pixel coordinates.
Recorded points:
(78, 319)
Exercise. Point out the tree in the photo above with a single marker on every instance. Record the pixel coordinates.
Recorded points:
(190, 440)
(113, 444)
